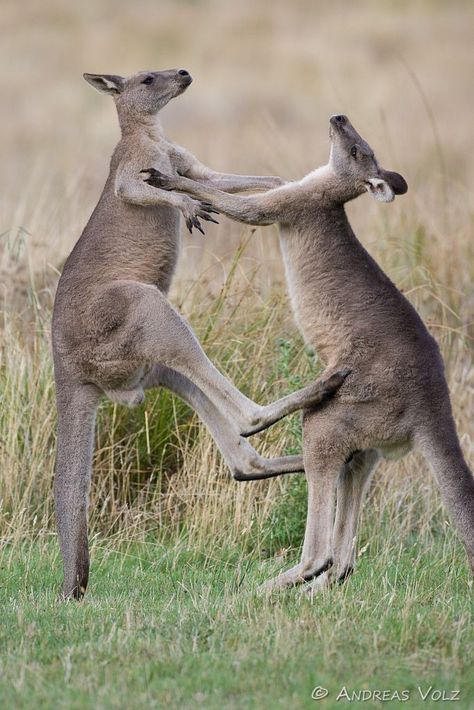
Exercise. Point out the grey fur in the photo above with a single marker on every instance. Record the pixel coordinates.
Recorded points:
(396, 397)
(114, 331)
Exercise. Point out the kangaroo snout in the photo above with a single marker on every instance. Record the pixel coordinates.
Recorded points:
(339, 125)
(185, 76)
(338, 120)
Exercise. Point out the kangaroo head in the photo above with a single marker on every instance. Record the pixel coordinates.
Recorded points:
(144, 93)
(356, 167)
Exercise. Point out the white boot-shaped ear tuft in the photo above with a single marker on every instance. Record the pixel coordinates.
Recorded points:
(380, 189)
(105, 83)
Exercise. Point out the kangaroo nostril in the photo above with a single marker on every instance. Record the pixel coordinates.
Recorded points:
(340, 119)
(183, 72)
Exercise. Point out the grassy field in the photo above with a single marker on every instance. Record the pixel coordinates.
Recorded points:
(180, 626)
(172, 617)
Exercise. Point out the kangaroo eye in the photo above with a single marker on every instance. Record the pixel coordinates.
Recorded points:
(147, 80)
(354, 151)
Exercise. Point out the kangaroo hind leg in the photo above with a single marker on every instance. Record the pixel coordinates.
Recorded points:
(351, 487)
(77, 407)
(326, 445)
(244, 462)
(165, 338)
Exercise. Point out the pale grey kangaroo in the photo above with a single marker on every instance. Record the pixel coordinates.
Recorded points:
(114, 331)
(396, 397)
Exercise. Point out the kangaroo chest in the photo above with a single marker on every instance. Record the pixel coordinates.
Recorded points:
(317, 313)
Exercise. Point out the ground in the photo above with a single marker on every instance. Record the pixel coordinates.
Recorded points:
(172, 617)
(171, 626)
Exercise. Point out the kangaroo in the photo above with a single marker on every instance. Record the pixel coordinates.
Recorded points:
(114, 331)
(396, 397)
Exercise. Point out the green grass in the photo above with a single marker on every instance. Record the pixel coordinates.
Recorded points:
(170, 625)
(172, 618)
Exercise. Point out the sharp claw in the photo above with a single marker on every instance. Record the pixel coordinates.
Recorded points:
(189, 225)
(197, 224)
(209, 208)
(154, 182)
(208, 218)
(157, 179)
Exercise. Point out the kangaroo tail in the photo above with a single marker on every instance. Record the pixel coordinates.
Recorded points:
(455, 481)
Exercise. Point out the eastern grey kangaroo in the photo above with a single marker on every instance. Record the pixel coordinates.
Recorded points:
(114, 331)
(396, 397)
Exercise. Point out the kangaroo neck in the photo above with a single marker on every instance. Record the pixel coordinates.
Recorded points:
(134, 124)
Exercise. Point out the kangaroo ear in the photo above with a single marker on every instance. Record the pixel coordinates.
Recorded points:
(380, 189)
(105, 83)
(396, 181)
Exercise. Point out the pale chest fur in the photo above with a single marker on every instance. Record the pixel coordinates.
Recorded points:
(318, 315)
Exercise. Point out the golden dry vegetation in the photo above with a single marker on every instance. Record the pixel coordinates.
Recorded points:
(171, 618)
(267, 77)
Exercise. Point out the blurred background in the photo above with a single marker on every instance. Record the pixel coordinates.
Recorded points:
(266, 78)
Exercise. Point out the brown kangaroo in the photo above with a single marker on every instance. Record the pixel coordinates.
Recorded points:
(396, 397)
(115, 332)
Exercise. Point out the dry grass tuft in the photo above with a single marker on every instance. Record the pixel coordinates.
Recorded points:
(265, 84)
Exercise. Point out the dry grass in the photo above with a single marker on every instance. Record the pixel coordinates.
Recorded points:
(265, 83)
(176, 621)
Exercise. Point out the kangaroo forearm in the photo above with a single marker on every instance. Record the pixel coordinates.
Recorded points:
(227, 182)
(250, 210)
(189, 166)
(254, 209)
(138, 193)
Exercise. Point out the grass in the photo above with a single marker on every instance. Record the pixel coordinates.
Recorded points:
(172, 625)
(172, 618)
